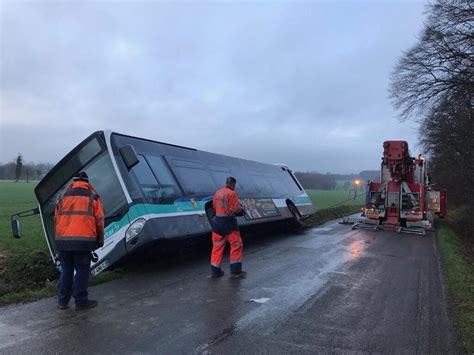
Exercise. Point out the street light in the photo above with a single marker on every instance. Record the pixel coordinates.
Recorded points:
(357, 184)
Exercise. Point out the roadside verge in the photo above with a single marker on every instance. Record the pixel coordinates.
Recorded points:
(459, 276)
(329, 214)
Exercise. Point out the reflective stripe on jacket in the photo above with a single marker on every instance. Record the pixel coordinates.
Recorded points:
(226, 206)
(79, 218)
(226, 202)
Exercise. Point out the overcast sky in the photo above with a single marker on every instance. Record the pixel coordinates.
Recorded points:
(280, 82)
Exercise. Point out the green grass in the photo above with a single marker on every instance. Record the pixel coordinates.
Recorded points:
(26, 263)
(329, 198)
(328, 214)
(459, 271)
(18, 197)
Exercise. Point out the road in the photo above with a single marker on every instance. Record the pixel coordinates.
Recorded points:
(327, 289)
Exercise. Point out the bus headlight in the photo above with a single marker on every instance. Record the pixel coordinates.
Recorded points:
(135, 228)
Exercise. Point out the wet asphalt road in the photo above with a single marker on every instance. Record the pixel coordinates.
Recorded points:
(328, 289)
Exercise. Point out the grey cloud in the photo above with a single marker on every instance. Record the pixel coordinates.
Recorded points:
(301, 83)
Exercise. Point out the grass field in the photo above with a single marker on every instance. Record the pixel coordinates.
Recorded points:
(329, 198)
(25, 264)
(17, 197)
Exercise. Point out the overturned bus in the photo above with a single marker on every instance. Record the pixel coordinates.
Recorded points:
(153, 190)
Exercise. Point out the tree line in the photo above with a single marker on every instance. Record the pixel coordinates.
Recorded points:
(433, 83)
(19, 170)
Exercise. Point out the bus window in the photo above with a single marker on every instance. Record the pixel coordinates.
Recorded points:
(50, 186)
(161, 170)
(291, 183)
(104, 180)
(278, 187)
(195, 180)
(295, 181)
(151, 188)
(220, 175)
(264, 188)
(143, 173)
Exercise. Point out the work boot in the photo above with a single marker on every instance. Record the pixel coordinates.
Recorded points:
(62, 306)
(89, 304)
(238, 275)
(217, 273)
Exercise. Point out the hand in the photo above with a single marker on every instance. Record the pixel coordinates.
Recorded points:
(100, 244)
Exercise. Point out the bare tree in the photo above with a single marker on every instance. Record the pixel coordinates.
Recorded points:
(447, 133)
(433, 83)
(19, 167)
(440, 65)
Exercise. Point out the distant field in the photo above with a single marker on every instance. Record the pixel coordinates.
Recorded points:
(17, 197)
(328, 198)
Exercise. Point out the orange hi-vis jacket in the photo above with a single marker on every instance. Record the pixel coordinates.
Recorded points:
(79, 218)
(226, 203)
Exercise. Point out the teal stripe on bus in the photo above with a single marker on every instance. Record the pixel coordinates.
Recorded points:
(142, 209)
(301, 200)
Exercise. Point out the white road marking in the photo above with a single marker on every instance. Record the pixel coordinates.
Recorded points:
(260, 300)
(322, 229)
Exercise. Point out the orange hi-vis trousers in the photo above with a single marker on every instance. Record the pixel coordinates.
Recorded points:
(236, 250)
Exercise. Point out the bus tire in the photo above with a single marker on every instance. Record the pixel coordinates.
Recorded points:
(296, 221)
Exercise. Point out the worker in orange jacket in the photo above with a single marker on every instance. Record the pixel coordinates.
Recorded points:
(225, 228)
(79, 230)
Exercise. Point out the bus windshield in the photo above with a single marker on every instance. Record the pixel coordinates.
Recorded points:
(103, 178)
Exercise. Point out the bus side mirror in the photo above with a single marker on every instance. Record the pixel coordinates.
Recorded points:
(16, 228)
(129, 156)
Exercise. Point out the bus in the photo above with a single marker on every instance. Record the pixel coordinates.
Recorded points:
(153, 190)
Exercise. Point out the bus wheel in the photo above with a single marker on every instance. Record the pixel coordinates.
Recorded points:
(295, 221)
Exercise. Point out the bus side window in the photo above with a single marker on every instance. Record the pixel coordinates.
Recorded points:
(169, 186)
(153, 191)
(161, 170)
(293, 182)
(194, 178)
(263, 187)
(143, 172)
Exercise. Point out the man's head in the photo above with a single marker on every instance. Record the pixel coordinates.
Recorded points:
(230, 182)
(82, 176)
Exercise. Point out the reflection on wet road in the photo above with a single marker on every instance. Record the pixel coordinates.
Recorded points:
(327, 289)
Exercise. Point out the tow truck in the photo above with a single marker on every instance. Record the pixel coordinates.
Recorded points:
(404, 199)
